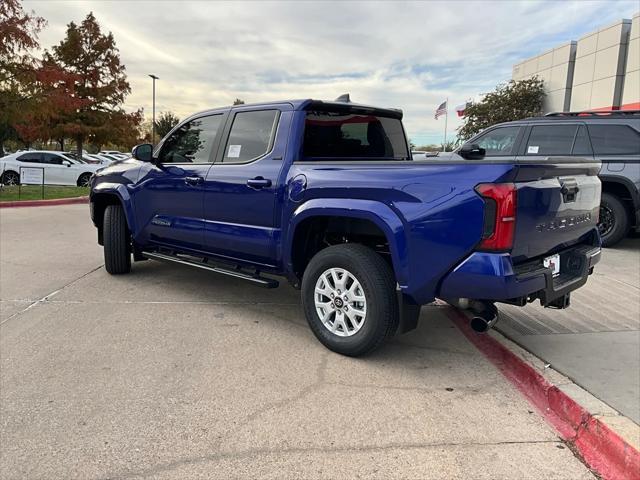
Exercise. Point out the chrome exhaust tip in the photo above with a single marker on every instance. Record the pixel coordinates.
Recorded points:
(485, 319)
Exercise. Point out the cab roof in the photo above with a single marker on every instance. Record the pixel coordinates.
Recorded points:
(343, 103)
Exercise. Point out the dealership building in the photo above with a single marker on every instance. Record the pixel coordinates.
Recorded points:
(600, 71)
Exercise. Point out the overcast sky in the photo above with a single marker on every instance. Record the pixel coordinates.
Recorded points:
(411, 55)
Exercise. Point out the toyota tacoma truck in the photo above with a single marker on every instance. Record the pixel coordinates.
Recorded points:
(326, 194)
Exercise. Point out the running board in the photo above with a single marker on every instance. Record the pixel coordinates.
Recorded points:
(256, 279)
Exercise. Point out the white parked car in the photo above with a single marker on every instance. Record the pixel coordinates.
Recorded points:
(94, 159)
(59, 169)
(109, 152)
(110, 156)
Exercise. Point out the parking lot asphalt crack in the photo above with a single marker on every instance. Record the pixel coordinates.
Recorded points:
(248, 454)
(48, 296)
(316, 385)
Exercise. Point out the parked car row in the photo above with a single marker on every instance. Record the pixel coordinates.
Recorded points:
(59, 168)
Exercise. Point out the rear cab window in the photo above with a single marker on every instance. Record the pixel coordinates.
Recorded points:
(339, 135)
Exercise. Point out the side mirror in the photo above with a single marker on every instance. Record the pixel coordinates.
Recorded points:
(66, 162)
(472, 151)
(142, 152)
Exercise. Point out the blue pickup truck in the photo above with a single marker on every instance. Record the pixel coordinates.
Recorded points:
(327, 195)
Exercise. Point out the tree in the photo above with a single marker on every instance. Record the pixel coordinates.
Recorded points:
(100, 87)
(512, 101)
(238, 101)
(166, 121)
(18, 37)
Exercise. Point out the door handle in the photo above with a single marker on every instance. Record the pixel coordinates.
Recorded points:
(193, 181)
(259, 182)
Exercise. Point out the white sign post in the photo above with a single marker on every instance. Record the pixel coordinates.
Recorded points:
(31, 176)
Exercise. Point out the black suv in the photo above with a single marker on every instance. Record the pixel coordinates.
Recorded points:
(612, 137)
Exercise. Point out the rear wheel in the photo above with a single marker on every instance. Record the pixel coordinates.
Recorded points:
(614, 220)
(10, 178)
(117, 252)
(348, 295)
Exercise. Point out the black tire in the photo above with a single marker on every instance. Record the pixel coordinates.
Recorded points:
(84, 180)
(378, 284)
(10, 178)
(614, 220)
(117, 251)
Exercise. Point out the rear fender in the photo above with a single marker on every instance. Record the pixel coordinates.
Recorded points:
(378, 213)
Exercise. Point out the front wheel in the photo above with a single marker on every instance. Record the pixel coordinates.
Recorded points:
(614, 220)
(348, 296)
(117, 252)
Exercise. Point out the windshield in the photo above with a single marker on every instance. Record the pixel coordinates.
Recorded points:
(343, 135)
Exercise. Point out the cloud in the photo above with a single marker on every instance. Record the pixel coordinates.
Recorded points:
(410, 55)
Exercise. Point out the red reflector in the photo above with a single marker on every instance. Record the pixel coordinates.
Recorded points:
(503, 216)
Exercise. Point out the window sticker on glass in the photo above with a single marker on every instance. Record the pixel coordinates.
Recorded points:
(533, 149)
(234, 151)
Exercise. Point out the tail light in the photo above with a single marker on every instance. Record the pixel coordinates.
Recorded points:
(499, 215)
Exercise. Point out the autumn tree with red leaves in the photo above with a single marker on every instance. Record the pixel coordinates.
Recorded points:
(18, 38)
(100, 87)
(75, 91)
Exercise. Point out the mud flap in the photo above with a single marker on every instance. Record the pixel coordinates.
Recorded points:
(409, 314)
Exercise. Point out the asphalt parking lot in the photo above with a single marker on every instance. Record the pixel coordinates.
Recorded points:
(171, 372)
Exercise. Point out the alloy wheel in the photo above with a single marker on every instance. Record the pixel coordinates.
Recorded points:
(607, 220)
(10, 178)
(340, 302)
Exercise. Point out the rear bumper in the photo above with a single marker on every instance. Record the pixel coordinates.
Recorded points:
(493, 277)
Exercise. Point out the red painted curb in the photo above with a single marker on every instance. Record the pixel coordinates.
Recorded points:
(601, 448)
(45, 203)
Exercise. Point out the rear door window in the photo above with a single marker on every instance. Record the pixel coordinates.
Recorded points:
(551, 140)
(614, 140)
(500, 141)
(30, 158)
(251, 136)
(353, 136)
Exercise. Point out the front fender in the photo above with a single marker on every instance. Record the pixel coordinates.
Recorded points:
(120, 191)
(378, 213)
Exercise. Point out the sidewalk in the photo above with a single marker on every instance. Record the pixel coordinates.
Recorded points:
(596, 342)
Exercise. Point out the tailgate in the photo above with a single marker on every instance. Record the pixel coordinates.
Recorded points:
(557, 206)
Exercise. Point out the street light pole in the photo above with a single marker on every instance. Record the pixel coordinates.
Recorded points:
(153, 122)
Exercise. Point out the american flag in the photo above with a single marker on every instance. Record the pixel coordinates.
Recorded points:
(442, 110)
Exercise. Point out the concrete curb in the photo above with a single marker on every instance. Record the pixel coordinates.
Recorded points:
(606, 452)
(45, 203)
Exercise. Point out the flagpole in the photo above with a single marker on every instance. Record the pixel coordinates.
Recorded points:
(446, 117)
